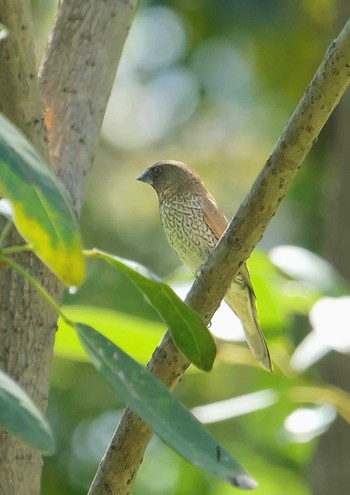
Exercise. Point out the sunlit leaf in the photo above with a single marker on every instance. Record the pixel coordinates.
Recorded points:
(159, 408)
(188, 330)
(19, 415)
(300, 264)
(136, 336)
(330, 322)
(40, 210)
(308, 352)
(306, 423)
(330, 319)
(236, 406)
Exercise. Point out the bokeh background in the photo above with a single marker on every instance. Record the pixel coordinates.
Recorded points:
(212, 83)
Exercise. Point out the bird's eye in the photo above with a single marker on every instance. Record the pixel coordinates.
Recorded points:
(157, 171)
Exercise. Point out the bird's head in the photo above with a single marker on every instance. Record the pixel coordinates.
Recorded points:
(170, 177)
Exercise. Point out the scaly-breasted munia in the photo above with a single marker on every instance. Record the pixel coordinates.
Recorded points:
(193, 224)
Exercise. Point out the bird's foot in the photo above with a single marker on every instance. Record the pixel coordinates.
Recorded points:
(199, 271)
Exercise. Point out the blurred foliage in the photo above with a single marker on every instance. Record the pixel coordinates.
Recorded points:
(211, 84)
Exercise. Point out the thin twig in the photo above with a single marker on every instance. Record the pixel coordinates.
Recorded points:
(37, 286)
(22, 248)
(5, 232)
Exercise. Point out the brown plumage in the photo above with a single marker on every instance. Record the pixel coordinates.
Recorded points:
(193, 224)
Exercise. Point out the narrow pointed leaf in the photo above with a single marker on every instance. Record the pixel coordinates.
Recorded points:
(19, 415)
(187, 328)
(40, 210)
(160, 409)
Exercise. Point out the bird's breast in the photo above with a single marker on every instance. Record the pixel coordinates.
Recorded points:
(186, 230)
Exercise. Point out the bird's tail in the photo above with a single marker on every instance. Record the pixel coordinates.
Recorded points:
(241, 300)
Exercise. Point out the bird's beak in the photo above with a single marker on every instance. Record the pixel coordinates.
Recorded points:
(145, 177)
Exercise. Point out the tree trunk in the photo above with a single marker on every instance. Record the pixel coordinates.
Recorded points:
(27, 329)
(83, 51)
(27, 324)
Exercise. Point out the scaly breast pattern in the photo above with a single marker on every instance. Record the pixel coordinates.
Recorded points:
(186, 230)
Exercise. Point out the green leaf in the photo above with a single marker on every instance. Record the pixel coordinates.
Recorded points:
(136, 336)
(160, 409)
(187, 328)
(19, 415)
(40, 210)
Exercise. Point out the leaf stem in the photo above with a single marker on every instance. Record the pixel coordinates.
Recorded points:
(24, 248)
(90, 253)
(5, 232)
(42, 291)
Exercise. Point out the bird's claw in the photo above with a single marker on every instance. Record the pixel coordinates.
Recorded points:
(199, 271)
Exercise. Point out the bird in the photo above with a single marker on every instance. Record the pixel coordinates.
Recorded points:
(193, 225)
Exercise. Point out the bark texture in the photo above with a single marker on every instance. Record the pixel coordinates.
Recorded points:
(20, 95)
(27, 324)
(76, 78)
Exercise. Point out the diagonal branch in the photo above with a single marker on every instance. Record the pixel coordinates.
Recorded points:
(124, 455)
(301, 132)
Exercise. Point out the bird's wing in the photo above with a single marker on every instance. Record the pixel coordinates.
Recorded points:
(240, 296)
(213, 217)
(217, 222)
(242, 301)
